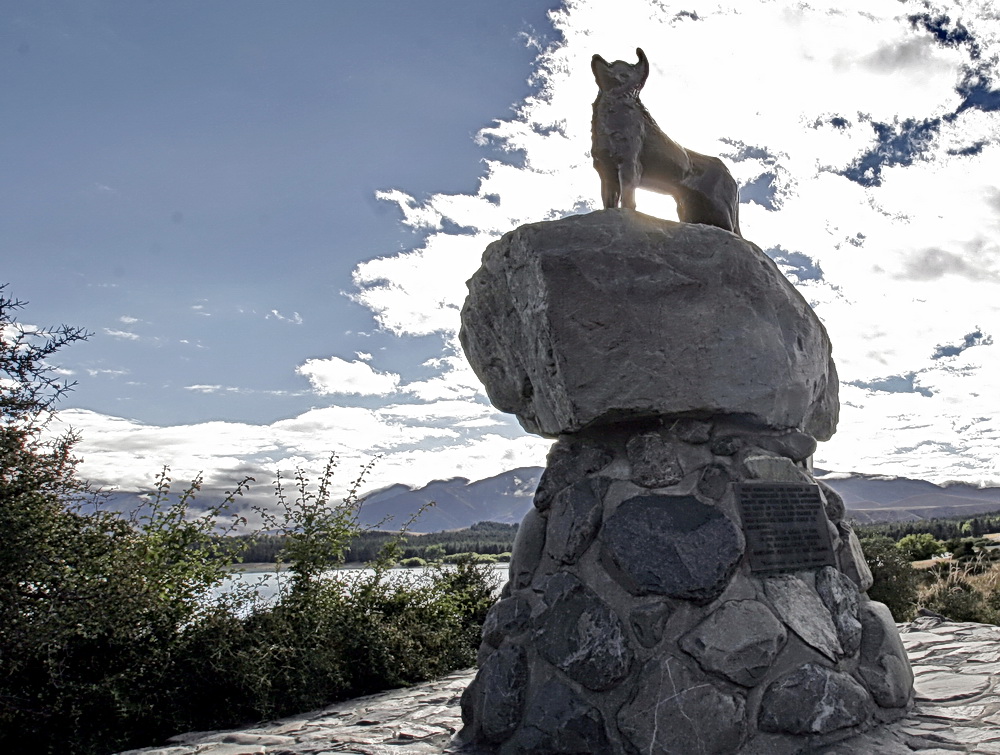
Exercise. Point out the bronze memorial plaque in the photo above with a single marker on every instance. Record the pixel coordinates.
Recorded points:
(785, 526)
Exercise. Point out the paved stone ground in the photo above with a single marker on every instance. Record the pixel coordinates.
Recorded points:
(957, 669)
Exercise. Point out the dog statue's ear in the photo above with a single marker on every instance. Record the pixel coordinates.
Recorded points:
(597, 63)
(642, 65)
(601, 69)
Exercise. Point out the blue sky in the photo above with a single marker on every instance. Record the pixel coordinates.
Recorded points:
(207, 171)
(266, 212)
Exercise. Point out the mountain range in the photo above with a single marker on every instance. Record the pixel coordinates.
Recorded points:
(459, 502)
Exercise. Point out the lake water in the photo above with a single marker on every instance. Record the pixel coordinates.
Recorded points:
(267, 584)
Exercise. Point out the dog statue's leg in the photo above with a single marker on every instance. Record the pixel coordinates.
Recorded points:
(628, 178)
(610, 193)
(610, 187)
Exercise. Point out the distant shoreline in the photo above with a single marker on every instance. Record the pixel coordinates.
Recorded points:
(262, 567)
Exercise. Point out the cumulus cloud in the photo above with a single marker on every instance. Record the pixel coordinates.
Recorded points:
(295, 318)
(867, 160)
(865, 135)
(412, 444)
(122, 334)
(338, 376)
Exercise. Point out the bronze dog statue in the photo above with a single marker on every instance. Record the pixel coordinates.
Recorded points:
(630, 152)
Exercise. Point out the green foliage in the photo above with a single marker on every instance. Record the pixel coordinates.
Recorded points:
(941, 528)
(315, 533)
(471, 557)
(435, 552)
(109, 637)
(957, 599)
(895, 581)
(491, 538)
(919, 547)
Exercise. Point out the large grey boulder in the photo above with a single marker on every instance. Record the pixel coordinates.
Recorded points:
(671, 545)
(675, 712)
(615, 315)
(579, 634)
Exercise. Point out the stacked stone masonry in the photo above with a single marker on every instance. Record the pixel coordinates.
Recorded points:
(670, 591)
(633, 623)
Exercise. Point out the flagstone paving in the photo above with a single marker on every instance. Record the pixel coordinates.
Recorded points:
(957, 668)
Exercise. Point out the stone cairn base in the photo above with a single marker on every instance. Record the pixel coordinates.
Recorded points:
(633, 623)
(683, 584)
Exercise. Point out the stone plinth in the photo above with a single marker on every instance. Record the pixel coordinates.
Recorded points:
(632, 616)
(613, 316)
(678, 369)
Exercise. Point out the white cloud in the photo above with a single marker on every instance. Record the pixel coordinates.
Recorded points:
(414, 449)
(204, 388)
(294, 319)
(338, 376)
(122, 334)
(908, 262)
(794, 96)
(456, 380)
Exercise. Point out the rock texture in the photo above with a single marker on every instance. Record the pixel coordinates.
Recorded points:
(685, 379)
(644, 608)
(615, 315)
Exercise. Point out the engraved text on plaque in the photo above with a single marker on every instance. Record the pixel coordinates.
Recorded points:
(785, 526)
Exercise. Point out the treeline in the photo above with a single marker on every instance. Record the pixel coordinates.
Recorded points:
(943, 528)
(484, 538)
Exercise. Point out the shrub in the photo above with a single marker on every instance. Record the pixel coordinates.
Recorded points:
(956, 599)
(964, 591)
(921, 546)
(108, 637)
(895, 581)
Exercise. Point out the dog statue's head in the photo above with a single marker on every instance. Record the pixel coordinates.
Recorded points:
(620, 77)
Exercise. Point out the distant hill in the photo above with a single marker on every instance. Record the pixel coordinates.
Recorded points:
(506, 497)
(458, 503)
(876, 498)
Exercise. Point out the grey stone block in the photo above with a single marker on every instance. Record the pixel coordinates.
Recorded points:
(527, 549)
(840, 595)
(507, 618)
(574, 519)
(814, 699)
(614, 315)
(803, 612)
(835, 507)
(503, 683)
(797, 446)
(739, 641)
(885, 667)
(714, 482)
(676, 712)
(567, 462)
(692, 430)
(654, 461)
(558, 722)
(648, 621)
(671, 545)
(852, 558)
(773, 469)
(579, 634)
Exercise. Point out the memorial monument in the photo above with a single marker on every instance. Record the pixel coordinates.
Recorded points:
(683, 584)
